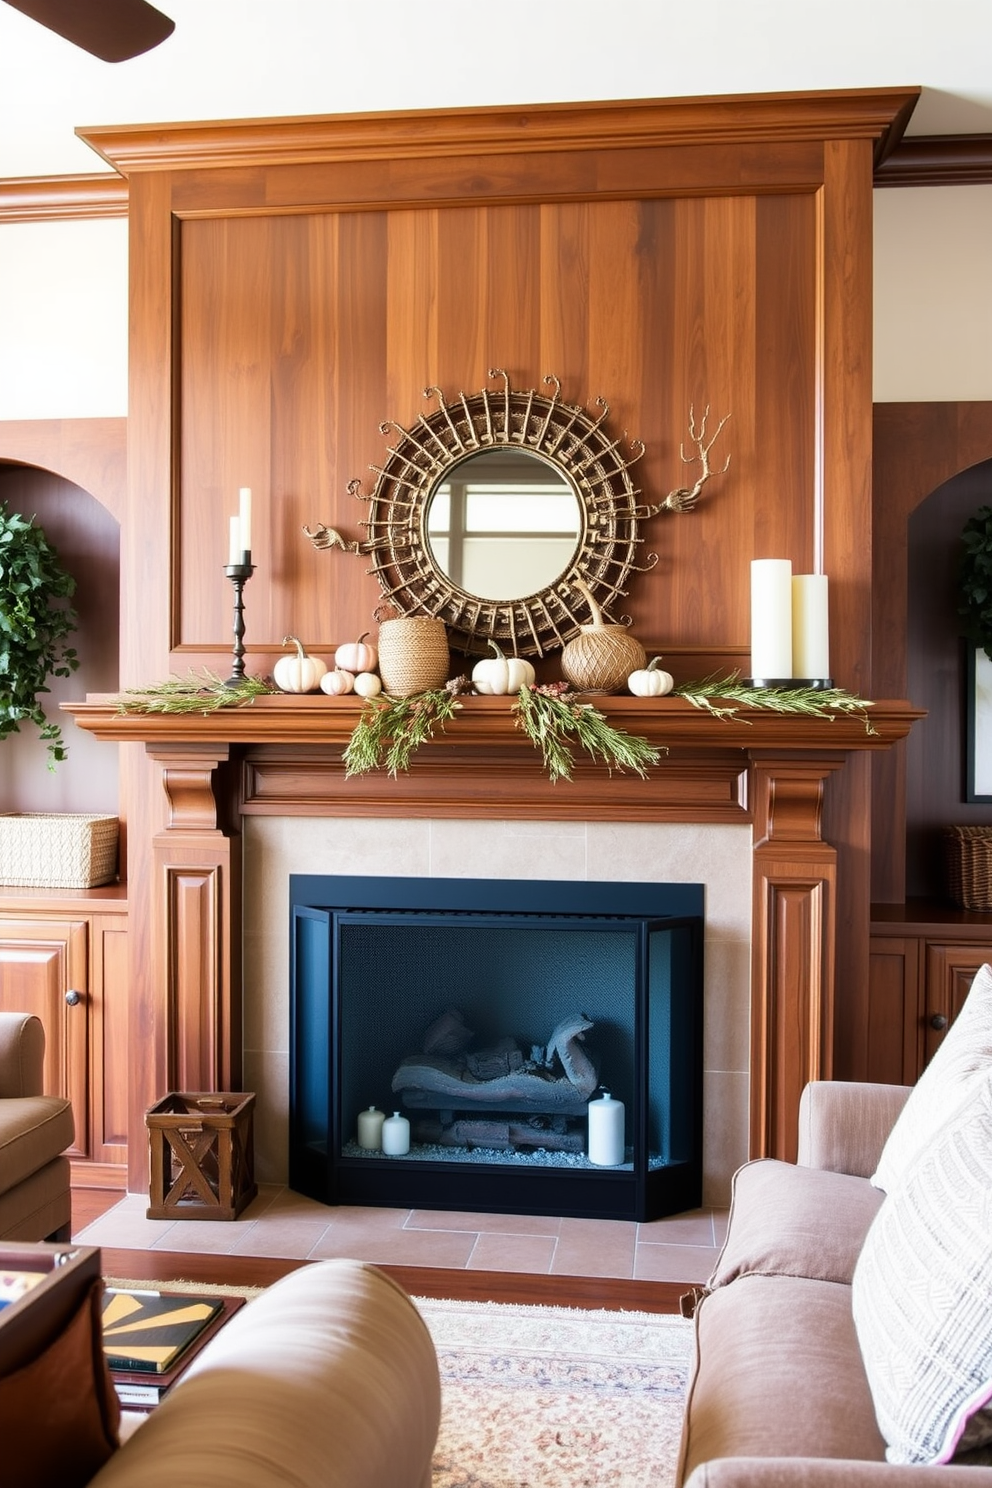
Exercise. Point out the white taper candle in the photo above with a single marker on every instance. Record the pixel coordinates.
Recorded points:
(771, 617)
(810, 627)
(244, 503)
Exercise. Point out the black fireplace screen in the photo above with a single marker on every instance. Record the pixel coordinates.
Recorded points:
(470, 1023)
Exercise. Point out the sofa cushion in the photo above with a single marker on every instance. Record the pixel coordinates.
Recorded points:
(34, 1129)
(964, 1057)
(922, 1295)
(791, 1221)
(778, 1374)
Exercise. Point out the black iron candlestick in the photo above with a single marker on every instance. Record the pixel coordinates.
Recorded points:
(239, 574)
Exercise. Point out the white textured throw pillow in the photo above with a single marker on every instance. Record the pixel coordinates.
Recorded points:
(964, 1056)
(922, 1295)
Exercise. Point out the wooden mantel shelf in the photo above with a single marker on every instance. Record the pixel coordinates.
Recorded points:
(488, 723)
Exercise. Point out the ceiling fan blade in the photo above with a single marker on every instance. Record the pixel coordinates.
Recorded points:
(112, 30)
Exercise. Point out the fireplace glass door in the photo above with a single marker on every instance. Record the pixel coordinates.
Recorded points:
(509, 1047)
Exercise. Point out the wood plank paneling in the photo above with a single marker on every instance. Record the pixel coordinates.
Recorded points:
(333, 323)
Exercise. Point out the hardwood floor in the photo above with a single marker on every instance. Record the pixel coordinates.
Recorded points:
(88, 1204)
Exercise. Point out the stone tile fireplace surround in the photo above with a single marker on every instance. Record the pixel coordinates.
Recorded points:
(718, 856)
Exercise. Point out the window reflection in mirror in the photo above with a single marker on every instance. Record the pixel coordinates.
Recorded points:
(503, 524)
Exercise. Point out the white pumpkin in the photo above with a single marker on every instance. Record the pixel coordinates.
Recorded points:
(337, 682)
(650, 681)
(495, 676)
(300, 672)
(356, 656)
(368, 684)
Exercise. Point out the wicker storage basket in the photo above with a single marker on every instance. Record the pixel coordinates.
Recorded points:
(58, 850)
(969, 866)
(413, 655)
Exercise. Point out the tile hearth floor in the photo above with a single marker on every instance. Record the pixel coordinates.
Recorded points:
(281, 1223)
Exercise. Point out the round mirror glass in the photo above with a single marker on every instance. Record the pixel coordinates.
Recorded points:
(503, 524)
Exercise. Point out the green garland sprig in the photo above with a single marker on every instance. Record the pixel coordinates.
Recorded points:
(824, 702)
(197, 692)
(391, 729)
(553, 717)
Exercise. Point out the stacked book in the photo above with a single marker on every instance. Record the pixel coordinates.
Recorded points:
(151, 1337)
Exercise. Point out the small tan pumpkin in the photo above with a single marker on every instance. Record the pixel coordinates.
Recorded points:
(356, 656)
(337, 682)
(601, 657)
(651, 681)
(299, 672)
(495, 676)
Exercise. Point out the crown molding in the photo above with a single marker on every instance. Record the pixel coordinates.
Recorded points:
(879, 115)
(938, 160)
(59, 198)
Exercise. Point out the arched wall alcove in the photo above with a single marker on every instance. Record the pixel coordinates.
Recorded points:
(935, 794)
(86, 536)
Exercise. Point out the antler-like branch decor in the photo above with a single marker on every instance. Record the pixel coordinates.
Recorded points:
(595, 467)
(685, 497)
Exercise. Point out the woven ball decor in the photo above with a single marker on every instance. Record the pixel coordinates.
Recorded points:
(601, 657)
(413, 655)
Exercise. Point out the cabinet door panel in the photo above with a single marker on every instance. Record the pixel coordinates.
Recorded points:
(895, 1013)
(950, 972)
(40, 961)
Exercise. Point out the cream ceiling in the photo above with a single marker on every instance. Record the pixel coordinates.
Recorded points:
(252, 58)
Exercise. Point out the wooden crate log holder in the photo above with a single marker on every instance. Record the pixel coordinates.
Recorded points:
(201, 1155)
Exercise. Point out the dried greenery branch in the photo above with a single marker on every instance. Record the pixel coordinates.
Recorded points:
(554, 718)
(825, 702)
(391, 729)
(197, 692)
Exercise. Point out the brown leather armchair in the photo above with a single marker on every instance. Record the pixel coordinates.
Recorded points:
(35, 1130)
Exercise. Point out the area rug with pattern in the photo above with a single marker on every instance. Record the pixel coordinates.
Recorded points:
(551, 1397)
(545, 1397)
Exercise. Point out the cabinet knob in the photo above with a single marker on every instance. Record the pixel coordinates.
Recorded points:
(72, 997)
(938, 1021)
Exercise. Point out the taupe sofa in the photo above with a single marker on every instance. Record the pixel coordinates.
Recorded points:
(329, 1379)
(35, 1130)
(779, 1397)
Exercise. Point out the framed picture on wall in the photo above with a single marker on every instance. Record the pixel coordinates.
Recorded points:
(978, 725)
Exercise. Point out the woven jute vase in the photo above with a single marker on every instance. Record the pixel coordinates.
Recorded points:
(413, 655)
(601, 657)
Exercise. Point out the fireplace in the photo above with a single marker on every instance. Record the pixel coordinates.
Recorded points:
(489, 1013)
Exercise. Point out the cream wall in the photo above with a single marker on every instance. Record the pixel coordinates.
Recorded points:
(63, 319)
(933, 294)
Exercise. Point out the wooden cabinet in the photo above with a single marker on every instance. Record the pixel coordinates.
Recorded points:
(923, 958)
(64, 957)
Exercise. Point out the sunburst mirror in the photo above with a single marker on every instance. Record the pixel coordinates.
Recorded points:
(490, 508)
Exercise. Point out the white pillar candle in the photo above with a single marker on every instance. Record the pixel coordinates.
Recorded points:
(606, 1131)
(234, 550)
(810, 629)
(370, 1124)
(396, 1135)
(244, 512)
(771, 617)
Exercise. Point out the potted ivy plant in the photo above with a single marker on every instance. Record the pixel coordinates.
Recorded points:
(35, 620)
(975, 579)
